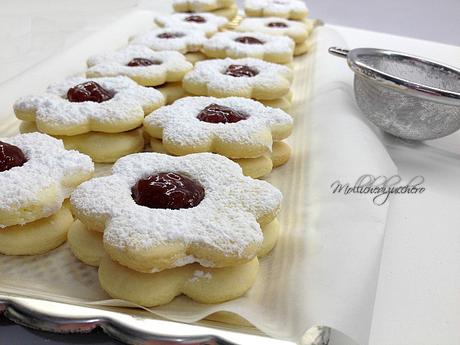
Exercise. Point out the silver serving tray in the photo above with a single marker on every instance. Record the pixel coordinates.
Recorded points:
(137, 327)
(129, 325)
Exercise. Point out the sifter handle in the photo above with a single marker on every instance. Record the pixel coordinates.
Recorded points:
(340, 52)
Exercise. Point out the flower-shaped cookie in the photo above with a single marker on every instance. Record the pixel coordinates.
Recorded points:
(183, 41)
(234, 127)
(79, 105)
(291, 9)
(297, 30)
(159, 211)
(36, 175)
(206, 22)
(200, 5)
(251, 78)
(277, 49)
(140, 63)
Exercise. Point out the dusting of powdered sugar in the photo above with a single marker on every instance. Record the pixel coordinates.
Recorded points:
(278, 8)
(225, 220)
(178, 21)
(53, 107)
(294, 28)
(225, 41)
(114, 64)
(48, 164)
(182, 127)
(211, 73)
(200, 275)
(189, 40)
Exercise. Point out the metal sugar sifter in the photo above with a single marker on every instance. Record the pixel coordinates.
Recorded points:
(405, 95)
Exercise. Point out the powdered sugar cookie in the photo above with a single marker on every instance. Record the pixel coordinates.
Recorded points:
(78, 105)
(298, 31)
(206, 22)
(141, 64)
(234, 127)
(250, 78)
(37, 237)
(277, 49)
(213, 217)
(101, 147)
(200, 5)
(290, 9)
(183, 41)
(36, 175)
(201, 284)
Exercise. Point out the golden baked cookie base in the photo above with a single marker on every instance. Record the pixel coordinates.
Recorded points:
(302, 48)
(37, 237)
(172, 92)
(193, 58)
(253, 167)
(101, 147)
(202, 284)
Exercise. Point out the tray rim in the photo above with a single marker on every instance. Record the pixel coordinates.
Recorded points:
(50, 316)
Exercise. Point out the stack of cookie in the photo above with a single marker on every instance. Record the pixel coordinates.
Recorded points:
(37, 175)
(266, 82)
(223, 8)
(238, 128)
(161, 226)
(279, 17)
(100, 117)
(186, 42)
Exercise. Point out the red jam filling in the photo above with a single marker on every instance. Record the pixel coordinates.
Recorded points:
(169, 35)
(277, 25)
(248, 40)
(241, 71)
(167, 190)
(89, 91)
(141, 62)
(215, 113)
(195, 19)
(10, 156)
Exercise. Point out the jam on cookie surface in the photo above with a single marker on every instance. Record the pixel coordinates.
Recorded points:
(170, 35)
(248, 40)
(89, 91)
(167, 190)
(241, 71)
(142, 62)
(215, 113)
(280, 25)
(195, 19)
(10, 156)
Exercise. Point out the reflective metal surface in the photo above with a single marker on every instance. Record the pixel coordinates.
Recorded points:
(137, 327)
(405, 95)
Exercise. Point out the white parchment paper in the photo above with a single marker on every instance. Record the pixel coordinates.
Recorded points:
(325, 266)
